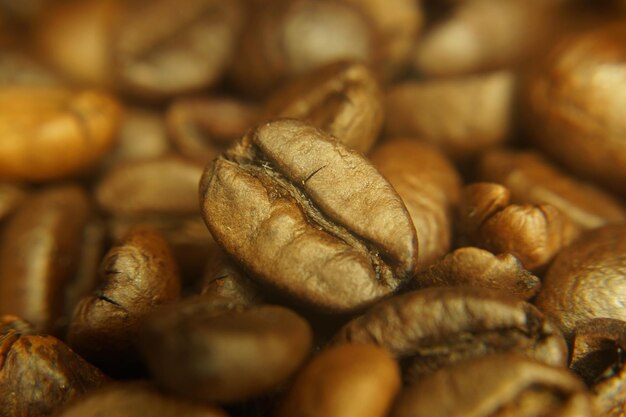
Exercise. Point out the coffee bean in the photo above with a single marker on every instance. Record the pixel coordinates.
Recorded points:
(574, 108)
(532, 179)
(139, 188)
(49, 133)
(461, 116)
(435, 327)
(474, 267)
(496, 385)
(139, 275)
(533, 234)
(39, 373)
(343, 99)
(586, 280)
(429, 186)
(135, 399)
(344, 381)
(486, 35)
(284, 38)
(151, 49)
(219, 351)
(302, 212)
(40, 250)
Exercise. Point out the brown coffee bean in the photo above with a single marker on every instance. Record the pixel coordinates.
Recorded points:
(461, 116)
(344, 381)
(586, 280)
(343, 99)
(574, 108)
(218, 351)
(138, 275)
(486, 35)
(532, 233)
(531, 179)
(302, 213)
(38, 374)
(474, 267)
(153, 49)
(49, 133)
(167, 185)
(435, 327)
(599, 357)
(203, 127)
(498, 385)
(429, 186)
(40, 250)
(11, 196)
(285, 38)
(137, 399)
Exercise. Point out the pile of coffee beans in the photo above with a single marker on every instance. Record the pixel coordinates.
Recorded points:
(313, 208)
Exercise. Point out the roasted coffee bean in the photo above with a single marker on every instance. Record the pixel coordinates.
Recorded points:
(435, 327)
(461, 116)
(302, 213)
(153, 49)
(499, 385)
(474, 267)
(139, 275)
(574, 110)
(586, 280)
(531, 179)
(137, 399)
(48, 133)
(38, 374)
(599, 356)
(167, 185)
(533, 234)
(284, 38)
(485, 35)
(343, 99)
(40, 249)
(202, 128)
(429, 186)
(344, 381)
(219, 351)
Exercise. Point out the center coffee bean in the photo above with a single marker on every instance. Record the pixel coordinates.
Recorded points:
(436, 327)
(303, 213)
